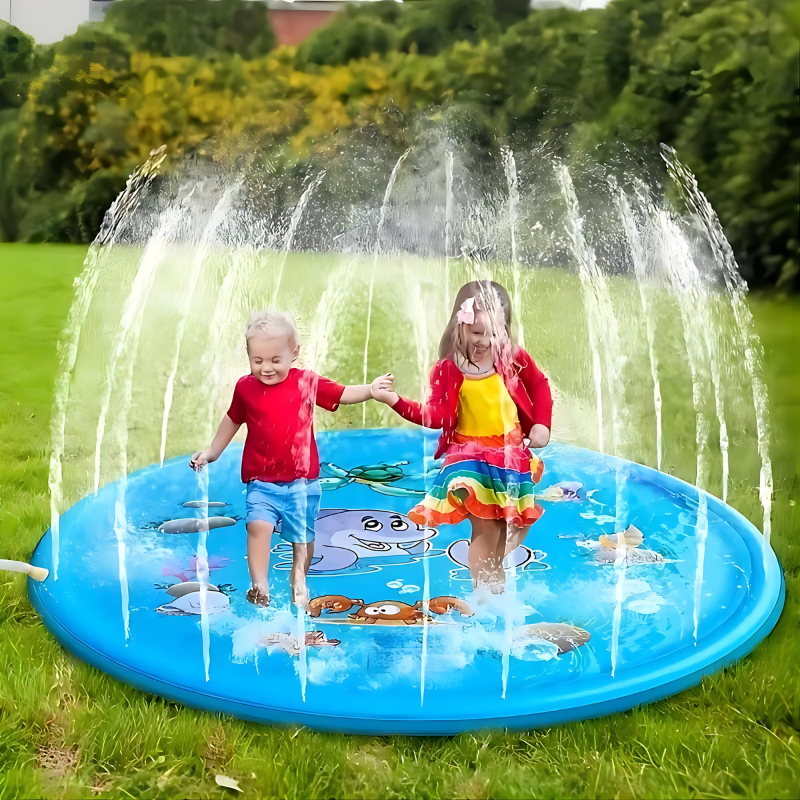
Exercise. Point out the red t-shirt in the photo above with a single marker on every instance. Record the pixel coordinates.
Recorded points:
(280, 443)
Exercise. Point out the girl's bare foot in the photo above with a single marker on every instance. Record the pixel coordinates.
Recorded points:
(257, 597)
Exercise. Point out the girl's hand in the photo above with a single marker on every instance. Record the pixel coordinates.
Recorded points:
(539, 436)
(383, 389)
(199, 460)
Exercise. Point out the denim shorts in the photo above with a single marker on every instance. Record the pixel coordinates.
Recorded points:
(292, 507)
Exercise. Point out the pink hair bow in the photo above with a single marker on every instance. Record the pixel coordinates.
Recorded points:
(466, 313)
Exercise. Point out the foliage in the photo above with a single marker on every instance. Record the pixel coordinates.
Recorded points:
(356, 33)
(17, 58)
(720, 85)
(215, 28)
(716, 79)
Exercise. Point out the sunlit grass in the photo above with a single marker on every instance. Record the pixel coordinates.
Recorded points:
(67, 730)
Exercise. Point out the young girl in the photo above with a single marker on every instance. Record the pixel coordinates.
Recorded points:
(492, 403)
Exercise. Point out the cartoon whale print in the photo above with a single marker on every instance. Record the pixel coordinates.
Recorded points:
(363, 540)
(521, 558)
(186, 602)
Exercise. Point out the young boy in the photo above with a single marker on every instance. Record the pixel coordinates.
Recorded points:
(280, 464)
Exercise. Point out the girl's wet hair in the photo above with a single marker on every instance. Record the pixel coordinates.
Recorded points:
(490, 297)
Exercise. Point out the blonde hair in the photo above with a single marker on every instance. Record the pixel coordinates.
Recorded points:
(490, 297)
(272, 323)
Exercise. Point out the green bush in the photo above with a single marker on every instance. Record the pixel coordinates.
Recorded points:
(716, 79)
(191, 27)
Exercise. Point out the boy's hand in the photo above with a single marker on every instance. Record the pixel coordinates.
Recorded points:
(199, 460)
(383, 389)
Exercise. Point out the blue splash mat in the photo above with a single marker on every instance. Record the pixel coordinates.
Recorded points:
(586, 627)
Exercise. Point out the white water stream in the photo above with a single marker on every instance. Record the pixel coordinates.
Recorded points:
(669, 268)
(381, 220)
(747, 338)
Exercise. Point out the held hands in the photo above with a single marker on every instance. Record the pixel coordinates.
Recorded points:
(539, 436)
(200, 459)
(383, 389)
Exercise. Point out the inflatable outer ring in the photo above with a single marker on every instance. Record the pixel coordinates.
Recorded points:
(620, 694)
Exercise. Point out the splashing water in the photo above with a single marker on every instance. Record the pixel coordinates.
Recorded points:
(131, 321)
(198, 263)
(203, 479)
(590, 280)
(510, 168)
(746, 335)
(701, 534)
(448, 214)
(640, 261)
(294, 224)
(161, 321)
(114, 224)
(600, 309)
(381, 220)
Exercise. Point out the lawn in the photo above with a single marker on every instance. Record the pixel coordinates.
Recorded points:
(67, 730)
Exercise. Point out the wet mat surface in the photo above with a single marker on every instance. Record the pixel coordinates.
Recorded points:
(585, 628)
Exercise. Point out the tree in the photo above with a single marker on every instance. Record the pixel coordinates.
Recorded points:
(716, 79)
(208, 28)
(356, 32)
(17, 65)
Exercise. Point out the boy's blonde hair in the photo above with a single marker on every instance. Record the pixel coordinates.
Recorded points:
(272, 323)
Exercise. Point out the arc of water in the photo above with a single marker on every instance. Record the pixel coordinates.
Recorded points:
(420, 326)
(227, 315)
(448, 215)
(128, 338)
(587, 274)
(218, 216)
(130, 322)
(620, 562)
(115, 219)
(640, 259)
(328, 313)
(746, 334)
(510, 168)
(701, 534)
(685, 280)
(294, 224)
(716, 379)
(381, 219)
(120, 533)
(681, 270)
(600, 316)
(692, 304)
(202, 570)
(599, 311)
(683, 276)
(199, 260)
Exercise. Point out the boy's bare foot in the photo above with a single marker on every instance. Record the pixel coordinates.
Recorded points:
(300, 597)
(257, 597)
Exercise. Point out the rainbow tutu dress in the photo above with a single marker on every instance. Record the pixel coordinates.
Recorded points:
(488, 471)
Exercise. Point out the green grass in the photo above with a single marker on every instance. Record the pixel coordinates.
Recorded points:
(67, 730)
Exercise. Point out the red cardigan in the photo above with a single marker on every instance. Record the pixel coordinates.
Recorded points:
(524, 381)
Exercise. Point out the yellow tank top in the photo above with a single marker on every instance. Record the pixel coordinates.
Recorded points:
(485, 408)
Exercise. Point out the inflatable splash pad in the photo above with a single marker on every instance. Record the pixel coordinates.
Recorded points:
(632, 586)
